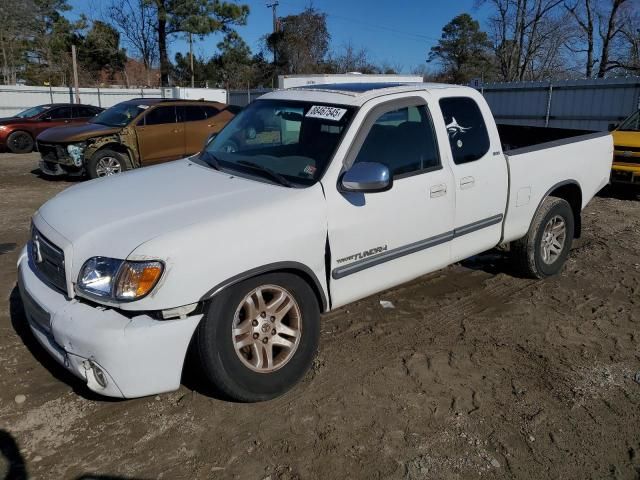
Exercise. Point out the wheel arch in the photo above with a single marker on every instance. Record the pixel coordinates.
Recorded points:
(116, 147)
(295, 268)
(570, 191)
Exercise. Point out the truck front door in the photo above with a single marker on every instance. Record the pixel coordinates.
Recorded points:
(379, 240)
(480, 172)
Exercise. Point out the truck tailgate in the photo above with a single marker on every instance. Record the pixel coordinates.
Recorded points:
(537, 170)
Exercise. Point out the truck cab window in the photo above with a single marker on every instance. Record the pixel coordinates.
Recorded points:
(403, 140)
(467, 131)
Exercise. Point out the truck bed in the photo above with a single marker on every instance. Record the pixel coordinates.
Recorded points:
(583, 161)
(516, 136)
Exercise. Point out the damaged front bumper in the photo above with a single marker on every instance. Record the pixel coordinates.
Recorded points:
(116, 355)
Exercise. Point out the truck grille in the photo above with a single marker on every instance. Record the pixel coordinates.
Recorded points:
(48, 260)
(50, 152)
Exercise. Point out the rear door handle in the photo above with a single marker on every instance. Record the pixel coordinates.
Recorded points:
(439, 190)
(467, 182)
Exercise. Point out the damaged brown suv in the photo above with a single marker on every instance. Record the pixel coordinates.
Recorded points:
(131, 134)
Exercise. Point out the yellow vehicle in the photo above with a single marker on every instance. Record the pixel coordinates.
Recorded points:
(626, 151)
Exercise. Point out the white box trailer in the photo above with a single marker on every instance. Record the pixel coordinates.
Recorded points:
(184, 93)
(289, 81)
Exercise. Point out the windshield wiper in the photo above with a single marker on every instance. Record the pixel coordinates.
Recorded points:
(211, 159)
(273, 174)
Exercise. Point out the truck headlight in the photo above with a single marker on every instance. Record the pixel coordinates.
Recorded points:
(115, 279)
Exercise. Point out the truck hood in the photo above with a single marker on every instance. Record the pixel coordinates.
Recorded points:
(76, 133)
(112, 216)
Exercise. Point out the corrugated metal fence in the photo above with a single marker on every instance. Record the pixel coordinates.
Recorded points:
(575, 104)
(15, 98)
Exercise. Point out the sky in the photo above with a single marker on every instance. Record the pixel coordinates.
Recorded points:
(399, 33)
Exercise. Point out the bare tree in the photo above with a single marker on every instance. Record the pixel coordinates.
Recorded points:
(352, 59)
(611, 27)
(524, 34)
(604, 33)
(136, 20)
(585, 18)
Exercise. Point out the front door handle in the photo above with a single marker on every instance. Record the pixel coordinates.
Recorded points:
(467, 182)
(439, 190)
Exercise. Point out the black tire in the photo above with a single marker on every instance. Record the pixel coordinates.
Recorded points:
(221, 364)
(105, 154)
(20, 142)
(527, 252)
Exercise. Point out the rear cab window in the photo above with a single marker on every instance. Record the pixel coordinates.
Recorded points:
(467, 131)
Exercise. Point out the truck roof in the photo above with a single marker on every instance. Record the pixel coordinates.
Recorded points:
(353, 94)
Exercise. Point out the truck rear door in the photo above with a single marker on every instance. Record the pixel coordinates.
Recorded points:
(480, 174)
(379, 240)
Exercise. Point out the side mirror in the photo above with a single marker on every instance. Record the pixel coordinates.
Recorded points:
(46, 118)
(612, 127)
(366, 177)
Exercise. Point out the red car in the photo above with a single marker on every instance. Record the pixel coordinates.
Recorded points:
(18, 133)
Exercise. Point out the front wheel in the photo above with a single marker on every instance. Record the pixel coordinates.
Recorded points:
(544, 250)
(259, 337)
(107, 162)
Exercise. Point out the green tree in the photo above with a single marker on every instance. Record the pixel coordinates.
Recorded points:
(302, 42)
(48, 43)
(199, 17)
(462, 51)
(233, 64)
(99, 51)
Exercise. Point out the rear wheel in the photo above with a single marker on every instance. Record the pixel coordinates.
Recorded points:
(544, 250)
(107, 162)
(20, 142)
(259, 337)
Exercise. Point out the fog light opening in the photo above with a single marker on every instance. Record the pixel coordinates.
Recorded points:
(96, 377)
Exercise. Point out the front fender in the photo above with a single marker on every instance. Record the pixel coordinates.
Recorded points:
(229, 245)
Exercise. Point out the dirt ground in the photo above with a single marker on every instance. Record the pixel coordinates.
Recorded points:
(474, 374)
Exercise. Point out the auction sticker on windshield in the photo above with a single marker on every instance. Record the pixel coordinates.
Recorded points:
(326, 113)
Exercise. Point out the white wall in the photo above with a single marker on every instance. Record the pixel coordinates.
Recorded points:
(15, 98)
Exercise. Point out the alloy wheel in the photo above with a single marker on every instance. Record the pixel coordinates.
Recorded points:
(553, 239)
(267, 327)
(108, 166)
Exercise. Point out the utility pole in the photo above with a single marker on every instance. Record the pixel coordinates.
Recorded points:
(191, 57)
(75, 72)
(273, 7)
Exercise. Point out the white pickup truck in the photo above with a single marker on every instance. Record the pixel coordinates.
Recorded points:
(309, 199)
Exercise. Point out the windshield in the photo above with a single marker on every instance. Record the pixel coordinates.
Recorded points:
(285, 141)
(119, 115)
(631, 124)
(33, 111)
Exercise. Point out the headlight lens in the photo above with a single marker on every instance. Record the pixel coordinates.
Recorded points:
(97, 275)
(75, 152)
(115, 279)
